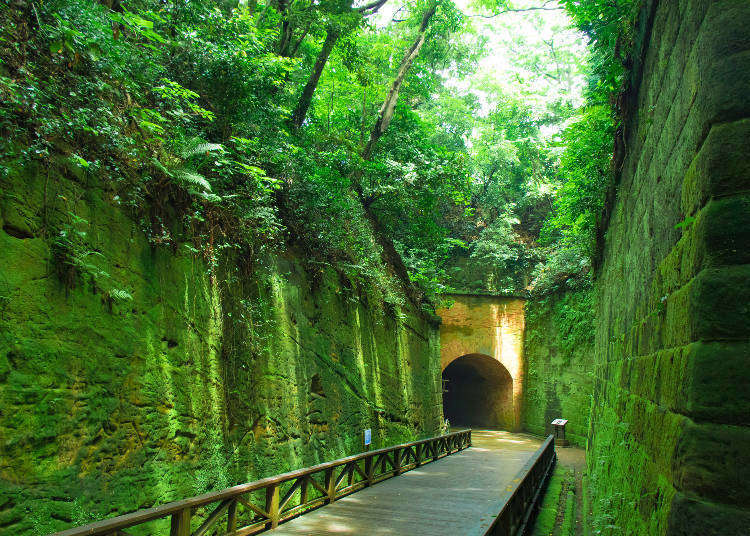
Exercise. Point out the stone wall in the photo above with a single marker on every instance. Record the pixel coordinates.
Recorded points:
(668, 453)
(206, 376)
(559, 356)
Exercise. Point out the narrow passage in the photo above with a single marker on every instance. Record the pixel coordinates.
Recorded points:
(458, 494)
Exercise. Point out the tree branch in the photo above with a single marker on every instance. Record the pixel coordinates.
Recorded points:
(372, 7)
(389, 105)
(520, 10)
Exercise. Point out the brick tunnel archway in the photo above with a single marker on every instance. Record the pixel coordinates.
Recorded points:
(478, 392)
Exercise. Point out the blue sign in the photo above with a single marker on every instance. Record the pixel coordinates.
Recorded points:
(368, 437)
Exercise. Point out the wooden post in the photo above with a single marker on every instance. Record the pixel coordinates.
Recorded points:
(331, 484)
(232, 516)
(272, 506)
(418, 455)
(508, 521)
(180, 523)
(303, 490)
(369, 470)
(397, 461)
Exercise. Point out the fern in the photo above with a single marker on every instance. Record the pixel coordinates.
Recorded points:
(190, 177)
(196, 146)
(120, 294)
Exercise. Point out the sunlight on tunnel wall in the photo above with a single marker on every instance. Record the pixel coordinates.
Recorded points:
(487, 325)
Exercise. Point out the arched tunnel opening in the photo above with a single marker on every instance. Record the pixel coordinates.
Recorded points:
(478, 392)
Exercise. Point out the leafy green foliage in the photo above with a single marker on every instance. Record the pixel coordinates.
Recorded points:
(76, 264)
(585, 168)
(585, 171)
(181, 112)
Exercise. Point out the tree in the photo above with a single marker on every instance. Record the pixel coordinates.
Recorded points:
(389, 105)
(335, 28)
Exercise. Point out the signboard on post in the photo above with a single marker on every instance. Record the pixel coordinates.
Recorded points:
(559, 427)
(368, 437)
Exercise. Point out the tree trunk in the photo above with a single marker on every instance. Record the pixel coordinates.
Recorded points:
(389, 105)
(332, 35)
(300, 112)
(381, 125)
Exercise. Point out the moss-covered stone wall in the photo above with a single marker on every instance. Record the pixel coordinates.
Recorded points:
(559, 356)
(200, 377)
(668, 452)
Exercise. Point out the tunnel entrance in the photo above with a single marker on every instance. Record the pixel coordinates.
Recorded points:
(478, 392)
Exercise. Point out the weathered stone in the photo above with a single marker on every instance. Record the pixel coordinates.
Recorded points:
(670, 410)
(489, 326)
(559, 355)
(204, 379)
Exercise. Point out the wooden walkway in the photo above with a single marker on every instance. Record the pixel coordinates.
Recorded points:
(457, 495)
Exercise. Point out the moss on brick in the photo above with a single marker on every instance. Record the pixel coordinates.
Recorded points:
(716, 169)
(720, 386)
(713, 462)
(693, 516)
(671, 402)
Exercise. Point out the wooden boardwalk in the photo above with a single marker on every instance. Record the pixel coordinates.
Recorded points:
(457, 495)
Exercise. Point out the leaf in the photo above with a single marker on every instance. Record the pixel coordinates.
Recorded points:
(161, 167)
(196, 146)
(137, 20)
(686, 223)
(79, 161)
(120, 294)
(56, 47)
(94, 51)
(151, 128)
(191, 178)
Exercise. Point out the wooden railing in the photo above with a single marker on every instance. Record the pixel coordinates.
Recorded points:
(524, 493)
(261, 505)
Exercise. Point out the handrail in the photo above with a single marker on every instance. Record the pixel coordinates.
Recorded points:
(522, 495)
(286, 496)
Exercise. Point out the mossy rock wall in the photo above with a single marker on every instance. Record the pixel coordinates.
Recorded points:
(668, 452)
(209, 376)
(559, 357)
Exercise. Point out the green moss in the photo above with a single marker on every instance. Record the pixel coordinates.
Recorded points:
(203, 380)
(557, 511)
(691, 516)
(544, 525)
(558, 350)
(567, 527)
(715, 170)
(672, 294)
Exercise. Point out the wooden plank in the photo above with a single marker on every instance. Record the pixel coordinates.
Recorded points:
(459, 494)
(250, 506)
(213, 517)
(232, 516)
(330, 484)
(272, 506)
(303, 490)
(288, 495)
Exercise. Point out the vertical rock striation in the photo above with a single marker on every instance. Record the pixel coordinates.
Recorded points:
(203, 377)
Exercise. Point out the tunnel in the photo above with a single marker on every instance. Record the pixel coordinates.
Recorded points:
(478, 393)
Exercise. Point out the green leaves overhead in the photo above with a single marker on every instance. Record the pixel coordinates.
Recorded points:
(254, 123)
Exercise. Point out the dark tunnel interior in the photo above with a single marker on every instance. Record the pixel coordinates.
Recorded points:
(478, 393)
